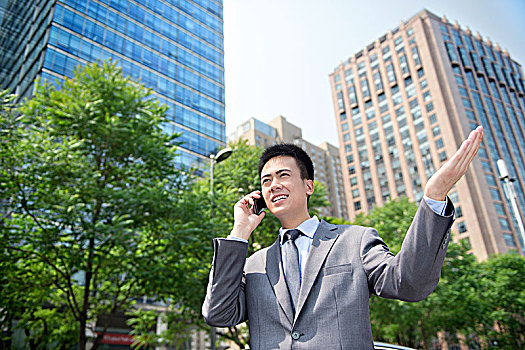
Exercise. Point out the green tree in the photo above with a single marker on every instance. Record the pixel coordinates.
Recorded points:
(502, 293)
(93, 211)
(453, 307)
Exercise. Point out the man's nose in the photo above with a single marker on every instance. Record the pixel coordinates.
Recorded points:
(275, 185)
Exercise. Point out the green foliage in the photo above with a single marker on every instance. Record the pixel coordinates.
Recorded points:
(483, 303)
(92, 214)
(503, 296)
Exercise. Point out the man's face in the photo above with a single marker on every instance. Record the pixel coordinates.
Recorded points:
(283, 189)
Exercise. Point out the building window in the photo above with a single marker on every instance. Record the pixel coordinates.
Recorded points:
(403, 64)
(504, 224)
(490, 180)
(346, 137)
(398, 41)
(415, 57)
(439, 143)
(390, 73)
(423, 84)
(377, 81)
(458, 212)
(340, 102)
(432, 119)
(357, 205)
(495, 194)
(353, 181)
(430, 107)
(442, 156)
(499, 209)
(355, 192)
(342, 116)
(509, 240)
(462, 228)
(397, 99)
(486, 166)
(451, 52)
(364, 88)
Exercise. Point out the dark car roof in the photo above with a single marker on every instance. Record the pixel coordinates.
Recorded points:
(385, 346)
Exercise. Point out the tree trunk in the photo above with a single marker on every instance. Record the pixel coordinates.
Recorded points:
(82, 339)
(82, 333)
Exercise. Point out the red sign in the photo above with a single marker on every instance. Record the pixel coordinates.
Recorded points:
(117, 338)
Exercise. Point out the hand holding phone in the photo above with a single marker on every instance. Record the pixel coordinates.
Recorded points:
(259, 205)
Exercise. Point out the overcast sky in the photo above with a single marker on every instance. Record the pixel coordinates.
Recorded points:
(279, 53)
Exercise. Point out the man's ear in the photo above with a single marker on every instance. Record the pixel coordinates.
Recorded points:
(309, 187)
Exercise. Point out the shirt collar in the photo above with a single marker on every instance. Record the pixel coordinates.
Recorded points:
(307, 227)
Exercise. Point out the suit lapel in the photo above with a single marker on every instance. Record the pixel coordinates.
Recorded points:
(274, 270)
(324, 238)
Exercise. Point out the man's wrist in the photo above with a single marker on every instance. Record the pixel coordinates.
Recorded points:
(438, 207)
(436, 196)
(232, 238)
(240, 233)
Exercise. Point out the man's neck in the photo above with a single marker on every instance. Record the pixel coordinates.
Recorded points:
(293, 222)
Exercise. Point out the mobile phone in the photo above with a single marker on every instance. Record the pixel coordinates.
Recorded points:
(259, 205)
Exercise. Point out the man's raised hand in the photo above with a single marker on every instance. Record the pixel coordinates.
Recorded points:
(449, 174)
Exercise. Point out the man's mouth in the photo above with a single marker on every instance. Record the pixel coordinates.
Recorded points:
(279, 198)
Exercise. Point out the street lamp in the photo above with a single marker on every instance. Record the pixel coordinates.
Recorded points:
(508, 188)
(215, 158)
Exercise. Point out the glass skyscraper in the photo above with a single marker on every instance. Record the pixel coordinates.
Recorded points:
(404, 104)
(174, 47)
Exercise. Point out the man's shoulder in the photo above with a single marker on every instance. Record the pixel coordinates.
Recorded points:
(343, 229)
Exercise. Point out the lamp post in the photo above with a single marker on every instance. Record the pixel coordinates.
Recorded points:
(508, 187)
(215, 158)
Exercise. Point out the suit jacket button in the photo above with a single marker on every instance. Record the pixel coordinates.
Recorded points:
(296, 335)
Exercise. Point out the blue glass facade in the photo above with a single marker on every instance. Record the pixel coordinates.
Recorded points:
(497, 89)
(174, 47)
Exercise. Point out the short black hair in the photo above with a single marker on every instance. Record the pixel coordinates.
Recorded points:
(303, 160)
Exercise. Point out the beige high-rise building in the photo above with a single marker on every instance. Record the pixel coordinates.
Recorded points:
(404, 104)
(324, 156)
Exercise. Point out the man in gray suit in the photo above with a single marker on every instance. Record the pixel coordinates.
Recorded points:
(311, 288)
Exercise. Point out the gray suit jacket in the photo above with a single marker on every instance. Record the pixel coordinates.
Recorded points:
(345, 265)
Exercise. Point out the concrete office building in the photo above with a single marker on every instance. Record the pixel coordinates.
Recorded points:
(405, 103)
(324, 156)
(174, 48)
